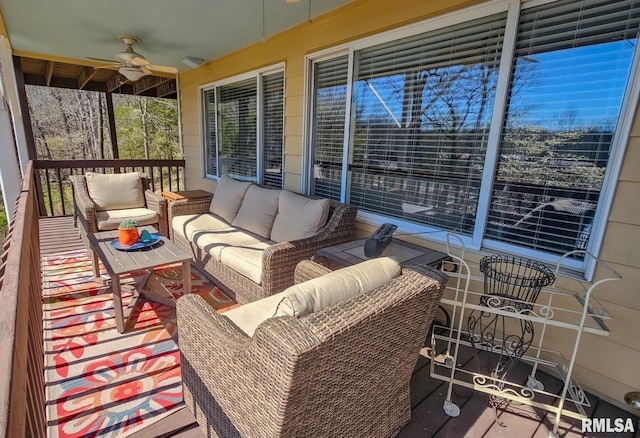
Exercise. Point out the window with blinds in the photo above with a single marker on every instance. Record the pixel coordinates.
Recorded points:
(420, 127)
(328, 126)
(211, 156)
(273, 127)
(243, 122)
(421, 147)
(237, 127)
(571, 67)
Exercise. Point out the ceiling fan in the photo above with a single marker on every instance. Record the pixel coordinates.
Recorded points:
(133, 65)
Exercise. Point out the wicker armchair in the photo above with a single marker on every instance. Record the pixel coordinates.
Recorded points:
(342, 371)
(87, 212)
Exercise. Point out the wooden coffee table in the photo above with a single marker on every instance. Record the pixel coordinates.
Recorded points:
(118, 262)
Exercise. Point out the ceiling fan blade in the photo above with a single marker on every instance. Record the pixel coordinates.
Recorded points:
(162, 68)
(110, 61)
(110, 67)
(145, 70)
(140, 62)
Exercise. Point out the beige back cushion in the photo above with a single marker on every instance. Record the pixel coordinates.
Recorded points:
(227, 197)
(115, 191)
(258, 210)
(317, 294)
(298, 217)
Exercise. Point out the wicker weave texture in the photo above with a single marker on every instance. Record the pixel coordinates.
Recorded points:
(344, 371)
(86, 208)
(278, 261)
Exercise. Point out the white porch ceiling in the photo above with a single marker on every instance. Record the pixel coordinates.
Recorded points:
(170, 30)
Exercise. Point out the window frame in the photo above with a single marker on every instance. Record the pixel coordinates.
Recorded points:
(479, 240)
(258, 75)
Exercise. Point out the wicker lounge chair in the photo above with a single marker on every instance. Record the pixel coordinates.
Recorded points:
(147, 207)
(341, 371)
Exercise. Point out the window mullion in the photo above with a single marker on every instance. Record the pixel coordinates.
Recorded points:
(497, 123)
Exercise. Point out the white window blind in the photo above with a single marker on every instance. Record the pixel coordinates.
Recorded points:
(244, 128)
(571, 67)
(237, 129)
(211, 160)
(273, 126)
(421, 122)
(328, 130)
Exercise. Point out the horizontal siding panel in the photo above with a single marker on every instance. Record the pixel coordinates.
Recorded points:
(625, 208)
(631, 162)
(620, 244)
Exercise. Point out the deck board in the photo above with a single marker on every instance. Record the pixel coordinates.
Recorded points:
(427, 394)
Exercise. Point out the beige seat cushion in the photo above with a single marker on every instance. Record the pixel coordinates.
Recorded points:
(258, 210)
(115, 191)
(214, 242)
(298, 217)
(228, 197)
(246, 259)
(189, 224)
(110, 219)
(317, 294)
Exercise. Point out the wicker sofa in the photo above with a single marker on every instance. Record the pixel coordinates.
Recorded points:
(248, 239)
(341, 370)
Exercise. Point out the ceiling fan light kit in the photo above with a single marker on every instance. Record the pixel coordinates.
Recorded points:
(131, 73)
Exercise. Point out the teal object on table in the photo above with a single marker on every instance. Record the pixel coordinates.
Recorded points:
(145, 236)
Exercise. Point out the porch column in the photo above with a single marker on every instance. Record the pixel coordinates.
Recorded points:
(11, 93)
(9, 169)
(112, 126)
(13, 148)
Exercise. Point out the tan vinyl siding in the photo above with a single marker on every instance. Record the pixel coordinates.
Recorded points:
(607, 365)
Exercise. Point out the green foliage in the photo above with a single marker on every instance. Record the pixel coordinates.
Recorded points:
(146, 127)
(72, 124)
(128, 224)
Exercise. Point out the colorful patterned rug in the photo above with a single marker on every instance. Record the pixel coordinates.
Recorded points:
(99, 382)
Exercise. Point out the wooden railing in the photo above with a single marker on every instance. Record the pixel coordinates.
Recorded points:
(54, 191)
(22, 397)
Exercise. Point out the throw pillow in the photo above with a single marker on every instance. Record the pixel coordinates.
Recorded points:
(327, 290)
(258, 210)
(321, 292)
(227, 197)
(298, 217)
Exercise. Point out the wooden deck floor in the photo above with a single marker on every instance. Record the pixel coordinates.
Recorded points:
(427, 394)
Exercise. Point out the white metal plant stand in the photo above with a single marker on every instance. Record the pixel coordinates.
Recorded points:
(557, 306)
